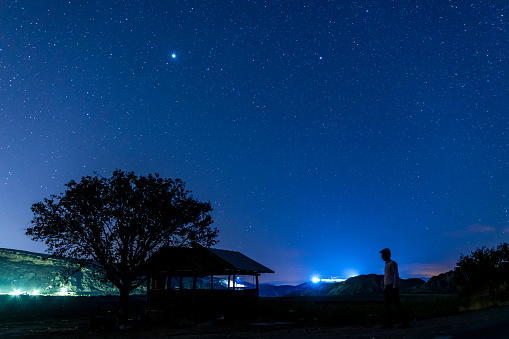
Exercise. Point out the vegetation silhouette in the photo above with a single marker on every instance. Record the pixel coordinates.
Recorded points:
(117, 223)
(484, 272)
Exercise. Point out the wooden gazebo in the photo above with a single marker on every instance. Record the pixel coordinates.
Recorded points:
(202, 279)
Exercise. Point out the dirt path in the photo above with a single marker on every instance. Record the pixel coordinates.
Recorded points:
(488, 323)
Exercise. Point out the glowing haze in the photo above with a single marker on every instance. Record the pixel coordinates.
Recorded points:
(320, 131)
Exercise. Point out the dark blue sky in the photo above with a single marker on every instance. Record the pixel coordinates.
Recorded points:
(320, 131)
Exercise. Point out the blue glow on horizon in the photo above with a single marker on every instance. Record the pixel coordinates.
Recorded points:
(317, 280)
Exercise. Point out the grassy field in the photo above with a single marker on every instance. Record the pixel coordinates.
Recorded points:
(21, 308)
(65, 317)
(301, 311)
(342, 311)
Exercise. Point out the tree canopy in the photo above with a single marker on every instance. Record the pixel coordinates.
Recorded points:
(484, 270)
(117, 223)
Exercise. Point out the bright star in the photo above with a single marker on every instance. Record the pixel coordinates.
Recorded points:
(174, 56)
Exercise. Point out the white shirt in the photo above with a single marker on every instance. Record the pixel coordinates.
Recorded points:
(391, 275)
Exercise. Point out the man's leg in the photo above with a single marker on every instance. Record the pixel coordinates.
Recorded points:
(399, 306)
(388, 309)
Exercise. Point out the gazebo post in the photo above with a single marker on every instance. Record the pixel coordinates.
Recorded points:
(257, 287)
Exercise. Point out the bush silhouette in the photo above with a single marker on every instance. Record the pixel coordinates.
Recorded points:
(484, 271)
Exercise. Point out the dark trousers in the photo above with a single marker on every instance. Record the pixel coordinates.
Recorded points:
(391, 296)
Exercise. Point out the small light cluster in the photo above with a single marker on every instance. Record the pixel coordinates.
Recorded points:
(18, 292)
(62, 292)
(317, 280)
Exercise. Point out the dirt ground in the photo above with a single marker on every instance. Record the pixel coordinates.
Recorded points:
(487, 323)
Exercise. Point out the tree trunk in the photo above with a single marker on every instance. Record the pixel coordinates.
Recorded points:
(123, 306)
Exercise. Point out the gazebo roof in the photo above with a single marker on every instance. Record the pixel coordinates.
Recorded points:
(199, 260)
(240, 261)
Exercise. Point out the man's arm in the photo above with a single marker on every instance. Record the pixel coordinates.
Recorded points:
(396, 274)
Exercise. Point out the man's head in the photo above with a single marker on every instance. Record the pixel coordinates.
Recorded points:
(386, 254)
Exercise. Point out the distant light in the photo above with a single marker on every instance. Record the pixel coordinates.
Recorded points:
(237, 285)
(332, 280)
(15, 292)
(174, 56)
(317, 280)
(35, 292)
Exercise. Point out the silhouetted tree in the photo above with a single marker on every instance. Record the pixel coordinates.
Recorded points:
(485, 269)
(117, 223)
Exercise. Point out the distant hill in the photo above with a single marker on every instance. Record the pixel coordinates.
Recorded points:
(362, 285)
(442, 283)
(268, 290)
(25, 272)
(372, 284)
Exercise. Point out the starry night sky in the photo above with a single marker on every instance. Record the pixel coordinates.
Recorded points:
(320, 131)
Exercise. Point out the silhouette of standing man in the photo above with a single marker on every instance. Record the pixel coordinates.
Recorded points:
(391, 291)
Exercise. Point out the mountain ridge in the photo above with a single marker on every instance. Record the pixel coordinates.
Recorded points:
(362, 285)
(25, 272)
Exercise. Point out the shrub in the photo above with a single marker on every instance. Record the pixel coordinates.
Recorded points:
(484, 272)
